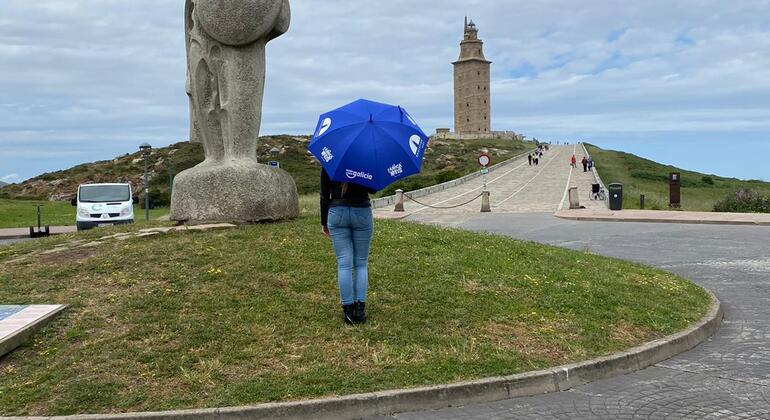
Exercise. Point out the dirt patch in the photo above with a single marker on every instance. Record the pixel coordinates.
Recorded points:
(548, 341)
(629, 334)
(68, 256)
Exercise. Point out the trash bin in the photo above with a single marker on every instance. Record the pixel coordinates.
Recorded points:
(616, 196)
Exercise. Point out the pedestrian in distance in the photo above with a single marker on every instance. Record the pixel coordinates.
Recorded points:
(346, 218)
(573, 161)
(530, 159)
(585, 164)
(590, 163)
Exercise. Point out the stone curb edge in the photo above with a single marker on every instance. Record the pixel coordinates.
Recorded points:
(8, 344)
(648, 220)
(556, 379)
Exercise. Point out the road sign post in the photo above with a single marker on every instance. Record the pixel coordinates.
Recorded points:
(484, 161)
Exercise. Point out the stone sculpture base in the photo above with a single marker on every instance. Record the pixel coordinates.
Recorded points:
(240, 192)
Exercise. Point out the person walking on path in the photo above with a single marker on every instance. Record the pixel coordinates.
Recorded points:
(529, 156)
(573, 161)
(346, 217)
(590, 163)
(585, 164)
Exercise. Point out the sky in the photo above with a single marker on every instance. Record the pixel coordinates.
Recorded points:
(684, 82)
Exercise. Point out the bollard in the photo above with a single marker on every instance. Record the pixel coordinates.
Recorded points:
(574, 200)
(485, 208)
(641, 201)
(399, 201)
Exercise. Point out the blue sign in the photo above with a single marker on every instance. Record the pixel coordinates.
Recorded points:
(274, 164)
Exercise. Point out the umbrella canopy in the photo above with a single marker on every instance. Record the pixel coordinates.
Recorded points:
(368, 143)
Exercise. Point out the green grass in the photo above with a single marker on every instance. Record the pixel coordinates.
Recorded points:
(699, 192)
(22, 213)
(251, 315)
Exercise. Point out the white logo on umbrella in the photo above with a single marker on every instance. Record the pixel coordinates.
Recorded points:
(414, 142)
(327, 155)
(351, 174)
(396, 170)
(327, 122)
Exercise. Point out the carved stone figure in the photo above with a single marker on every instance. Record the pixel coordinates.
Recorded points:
(226, 42)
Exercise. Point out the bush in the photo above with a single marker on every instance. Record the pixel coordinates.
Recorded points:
(744, 201)
(650, 176)
(707, 180)
(446, 176)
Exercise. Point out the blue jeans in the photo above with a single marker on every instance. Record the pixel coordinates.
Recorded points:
(351, 231)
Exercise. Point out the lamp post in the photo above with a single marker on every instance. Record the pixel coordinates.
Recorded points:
(145, 148)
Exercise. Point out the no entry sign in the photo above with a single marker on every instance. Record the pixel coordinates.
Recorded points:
(484, 160)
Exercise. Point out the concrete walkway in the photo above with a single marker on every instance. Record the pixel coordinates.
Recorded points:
(727, 377)
(659, 216)
(519, 188)
(17, 233)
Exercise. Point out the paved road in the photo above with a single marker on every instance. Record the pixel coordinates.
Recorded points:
(727, 377)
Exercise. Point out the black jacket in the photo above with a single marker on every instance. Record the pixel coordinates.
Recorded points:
(331, 196)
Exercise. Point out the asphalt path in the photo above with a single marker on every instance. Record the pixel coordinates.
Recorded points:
(727, 377)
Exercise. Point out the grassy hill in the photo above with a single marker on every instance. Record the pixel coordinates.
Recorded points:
(444, 160)
(642, 176)
(3, 184)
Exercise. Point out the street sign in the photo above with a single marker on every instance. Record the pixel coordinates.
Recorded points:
(484, 160)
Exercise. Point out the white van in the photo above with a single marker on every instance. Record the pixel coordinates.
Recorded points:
(104, 205)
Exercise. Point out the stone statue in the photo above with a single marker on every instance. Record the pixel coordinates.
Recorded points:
(226, 42)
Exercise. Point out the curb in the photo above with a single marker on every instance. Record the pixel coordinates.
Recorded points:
(559, 378)
(647, 220)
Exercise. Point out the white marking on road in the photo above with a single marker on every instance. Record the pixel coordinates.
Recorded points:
(569, 179)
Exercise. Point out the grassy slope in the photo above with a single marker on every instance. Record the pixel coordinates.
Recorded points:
(444, 160)
(252, 315)
(22, 213)
(643, 176)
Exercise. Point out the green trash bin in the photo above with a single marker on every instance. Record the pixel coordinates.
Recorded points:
(616, 196)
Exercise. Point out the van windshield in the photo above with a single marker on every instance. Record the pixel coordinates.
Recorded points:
(104, 193)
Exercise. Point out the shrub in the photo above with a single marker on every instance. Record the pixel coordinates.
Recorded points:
(744, 201)
(445, 176)
(651, 176)
(707, 180)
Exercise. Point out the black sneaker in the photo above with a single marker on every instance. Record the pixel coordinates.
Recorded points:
(349, 313)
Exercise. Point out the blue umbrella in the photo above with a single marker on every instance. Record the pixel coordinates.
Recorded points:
(368, 143)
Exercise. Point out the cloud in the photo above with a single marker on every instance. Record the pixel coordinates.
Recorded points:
(91, 79)
(10, 178)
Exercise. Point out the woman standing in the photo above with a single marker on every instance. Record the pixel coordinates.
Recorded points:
(346, 217)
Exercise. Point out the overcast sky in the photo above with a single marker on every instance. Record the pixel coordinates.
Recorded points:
(679, 81)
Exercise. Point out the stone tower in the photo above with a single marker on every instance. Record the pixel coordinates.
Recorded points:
(472, 97)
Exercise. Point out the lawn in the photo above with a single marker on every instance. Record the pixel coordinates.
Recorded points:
(22, 213)
(250, 315)
(699, 192)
